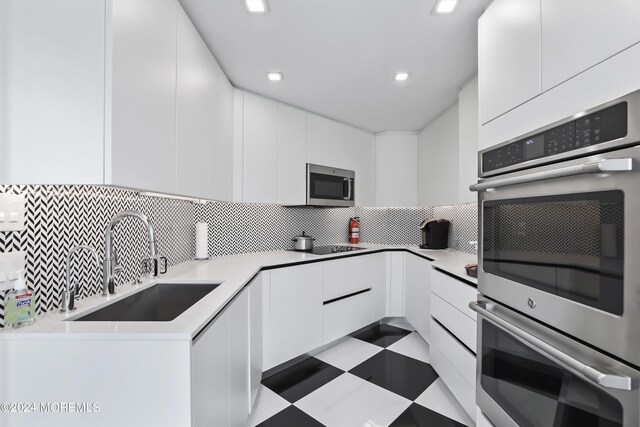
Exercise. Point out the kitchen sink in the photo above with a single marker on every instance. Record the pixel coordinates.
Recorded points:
(162, 302)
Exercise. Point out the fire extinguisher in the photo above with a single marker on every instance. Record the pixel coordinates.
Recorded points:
(354, 230)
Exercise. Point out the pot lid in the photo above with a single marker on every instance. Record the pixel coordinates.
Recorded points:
(303, 236)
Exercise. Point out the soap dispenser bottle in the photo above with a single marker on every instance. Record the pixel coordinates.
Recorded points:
(20, 304)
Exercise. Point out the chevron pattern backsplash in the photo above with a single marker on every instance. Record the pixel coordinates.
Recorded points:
(60, 217)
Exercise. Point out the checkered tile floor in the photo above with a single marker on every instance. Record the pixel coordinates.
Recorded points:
(380, 377)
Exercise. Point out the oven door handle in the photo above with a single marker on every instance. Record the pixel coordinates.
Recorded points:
(604, 165)
(603, 379)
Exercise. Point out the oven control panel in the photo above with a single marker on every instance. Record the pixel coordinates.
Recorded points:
(595, 128)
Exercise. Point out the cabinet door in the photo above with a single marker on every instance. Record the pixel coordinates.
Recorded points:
(319, 140)
(508, 56)
(417, 293)
(259, 174)
(210, 375)
(296, 311)
(578, 34)
(239, 360)
(347, 315)
(292, 155)
(255, 337)
(143, 110)
(194, 111)
(396, 284)
(363, 147)
(52, 97)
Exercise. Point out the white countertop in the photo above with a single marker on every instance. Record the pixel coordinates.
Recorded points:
(234, 271)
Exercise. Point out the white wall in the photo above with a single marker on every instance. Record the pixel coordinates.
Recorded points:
(468, 129)
(438, 160)
(396, 169)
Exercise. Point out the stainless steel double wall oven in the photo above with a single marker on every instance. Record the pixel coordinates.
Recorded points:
(559, 263)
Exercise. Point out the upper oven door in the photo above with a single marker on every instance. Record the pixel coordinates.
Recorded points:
(328, 186)
(531, 376)
(561, 243)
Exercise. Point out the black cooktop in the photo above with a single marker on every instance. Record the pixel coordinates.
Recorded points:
(332, 249)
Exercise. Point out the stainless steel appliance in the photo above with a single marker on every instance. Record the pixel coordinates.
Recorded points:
(532, 376)
(330, 187)
(559, 229)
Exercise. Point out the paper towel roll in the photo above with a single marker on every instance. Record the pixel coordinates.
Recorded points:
(202, 240)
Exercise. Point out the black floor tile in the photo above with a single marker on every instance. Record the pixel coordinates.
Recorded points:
(301, 379)
(382, 335)
(397, 373)
(291, 416)
(419, 416)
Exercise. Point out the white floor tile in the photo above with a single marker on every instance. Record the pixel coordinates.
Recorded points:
(349, 353)
(349, 401)
(267, 405)
(438, 398)
(413, 346)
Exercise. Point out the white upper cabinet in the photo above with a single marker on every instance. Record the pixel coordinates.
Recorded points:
(194, 110)
(292, 154)
(319, 140)
(508, 56)
(273, 142)
(577, 34)
(52, 98)
(128, 95)
(396, 169)
(260, 157)
(143, 94)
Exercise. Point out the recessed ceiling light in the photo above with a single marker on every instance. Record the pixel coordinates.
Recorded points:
(275, 76)
(257, 6)
(444, 7)
(401, 76)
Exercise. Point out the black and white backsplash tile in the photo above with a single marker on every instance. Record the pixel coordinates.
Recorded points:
(60, 217)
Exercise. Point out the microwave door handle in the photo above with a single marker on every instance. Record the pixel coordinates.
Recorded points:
(604, 165)
(591, 373)
(350, 195)
(349, 183)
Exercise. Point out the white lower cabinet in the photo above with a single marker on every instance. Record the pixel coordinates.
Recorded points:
(347, 315)
(210, 374)
(255, 337)
(453, 331)
(417, 307)
(395, 278)
(295, 312)
(221, 366)
(239, 360)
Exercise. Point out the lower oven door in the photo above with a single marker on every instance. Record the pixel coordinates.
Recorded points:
(532, 376)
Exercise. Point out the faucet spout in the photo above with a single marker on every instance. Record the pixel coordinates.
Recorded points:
(108, 283)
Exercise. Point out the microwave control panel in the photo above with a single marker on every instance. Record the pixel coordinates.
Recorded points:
(602, 126)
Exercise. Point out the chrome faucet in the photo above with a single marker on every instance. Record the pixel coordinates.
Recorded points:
(67, 299)
(108, 282)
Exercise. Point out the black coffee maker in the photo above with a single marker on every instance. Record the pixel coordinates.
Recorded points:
(435, 233)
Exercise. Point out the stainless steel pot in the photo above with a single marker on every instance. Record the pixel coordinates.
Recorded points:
(303, 243)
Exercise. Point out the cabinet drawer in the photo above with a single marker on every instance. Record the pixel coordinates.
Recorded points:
(454, 291)
(454, 381)
(461, 358)
(460, 325)
(347, 315)
(346, 276)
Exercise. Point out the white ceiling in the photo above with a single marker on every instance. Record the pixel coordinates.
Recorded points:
(339, 56)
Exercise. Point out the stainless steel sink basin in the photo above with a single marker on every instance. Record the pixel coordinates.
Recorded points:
(160, 303)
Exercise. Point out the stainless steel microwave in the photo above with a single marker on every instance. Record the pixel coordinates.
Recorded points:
(330, 187)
